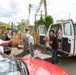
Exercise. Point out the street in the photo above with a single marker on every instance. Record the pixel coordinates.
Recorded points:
(68, 64)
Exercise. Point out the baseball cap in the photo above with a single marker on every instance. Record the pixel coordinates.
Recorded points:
(27, 28)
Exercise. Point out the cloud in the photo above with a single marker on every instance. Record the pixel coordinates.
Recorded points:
(10, 9)
(15, 10)
(60, 9)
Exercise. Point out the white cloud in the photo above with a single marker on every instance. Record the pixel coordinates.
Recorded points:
(15, 10)
(60, 9)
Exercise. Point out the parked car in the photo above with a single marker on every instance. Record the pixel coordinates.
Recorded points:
(8, 49)
(27, 66)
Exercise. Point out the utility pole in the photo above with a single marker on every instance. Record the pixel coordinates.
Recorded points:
(41, 14)
(41, 17)
(35, 22)
(12, 28)
(29, 12)
(30, 6)
(45, 7)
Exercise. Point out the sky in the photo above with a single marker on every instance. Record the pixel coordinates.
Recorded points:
(15, 10)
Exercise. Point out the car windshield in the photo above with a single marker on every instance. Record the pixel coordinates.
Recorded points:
(10, 66)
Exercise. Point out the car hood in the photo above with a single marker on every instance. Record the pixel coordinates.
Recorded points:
(40, 67)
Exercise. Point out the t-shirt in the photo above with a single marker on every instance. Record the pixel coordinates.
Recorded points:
(30, 40)
(55, 42)
(27, 35)
(1, 47)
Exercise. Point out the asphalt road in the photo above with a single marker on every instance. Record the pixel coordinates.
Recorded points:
(68, 64)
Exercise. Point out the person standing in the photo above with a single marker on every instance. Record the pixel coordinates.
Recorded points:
(31, 45)
(25, 38)
(59, 34)
(8, 37)
(53, 41)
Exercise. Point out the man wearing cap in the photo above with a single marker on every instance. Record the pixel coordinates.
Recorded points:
(25, 39)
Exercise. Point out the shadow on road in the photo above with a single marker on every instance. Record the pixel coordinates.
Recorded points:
(47, 59)
(38, 58)
(22, 54)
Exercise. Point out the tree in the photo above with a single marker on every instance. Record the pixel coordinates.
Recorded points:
(5, 24)
(20, 25)
(59, 20)
(49, 20)
(40, 22)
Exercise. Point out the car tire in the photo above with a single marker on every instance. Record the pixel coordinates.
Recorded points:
(7, 52)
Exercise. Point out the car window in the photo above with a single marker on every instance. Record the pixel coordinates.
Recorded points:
(8, 66)
(67, 29)
(55, 28)
(42, 30)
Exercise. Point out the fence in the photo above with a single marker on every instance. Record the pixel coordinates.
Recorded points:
(17, 36)
(18, 39)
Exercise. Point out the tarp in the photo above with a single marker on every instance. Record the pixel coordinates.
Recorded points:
(14, 30)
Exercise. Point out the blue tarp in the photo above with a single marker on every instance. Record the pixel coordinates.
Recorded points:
(15, 30)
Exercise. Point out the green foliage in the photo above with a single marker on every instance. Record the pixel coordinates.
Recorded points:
(59, 20)
(47, 20)
(5, 24)
(40, 22)
(9, 27)
(20, 25)
(2, 23)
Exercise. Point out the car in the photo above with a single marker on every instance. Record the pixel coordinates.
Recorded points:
(7, 49)
(27, 66)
